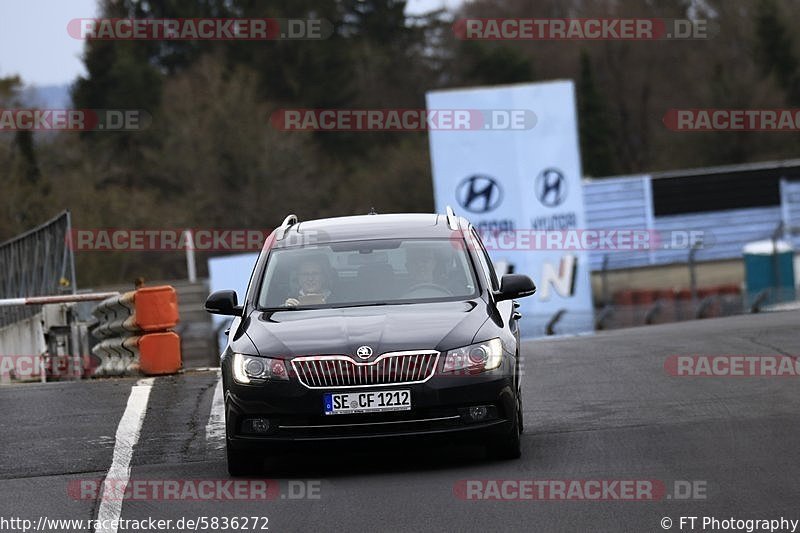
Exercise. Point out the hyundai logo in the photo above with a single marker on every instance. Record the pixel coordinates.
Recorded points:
(551, 187)
(364, 352)
(479, 193)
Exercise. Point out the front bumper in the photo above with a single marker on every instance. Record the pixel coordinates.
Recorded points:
(439, 408)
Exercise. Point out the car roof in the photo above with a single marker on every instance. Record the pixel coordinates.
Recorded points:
(364, 227)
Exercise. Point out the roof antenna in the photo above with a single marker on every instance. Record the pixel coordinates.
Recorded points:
(372, 211)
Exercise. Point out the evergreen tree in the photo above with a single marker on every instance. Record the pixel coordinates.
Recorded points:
(775, 50)
(120, 74)
(595, 133)
(490, 64)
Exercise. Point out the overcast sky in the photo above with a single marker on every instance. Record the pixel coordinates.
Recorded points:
(34, 42)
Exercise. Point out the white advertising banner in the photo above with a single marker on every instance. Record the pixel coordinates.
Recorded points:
(519, 183)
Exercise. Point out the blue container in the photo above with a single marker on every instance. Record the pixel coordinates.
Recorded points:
(766, 269)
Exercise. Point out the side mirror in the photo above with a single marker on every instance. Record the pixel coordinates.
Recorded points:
(515, 286)
(223, 303)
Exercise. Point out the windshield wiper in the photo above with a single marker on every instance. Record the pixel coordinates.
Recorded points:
(373, 304)
(342, 306)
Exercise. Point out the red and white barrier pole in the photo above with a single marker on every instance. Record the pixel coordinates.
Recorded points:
(65, 298)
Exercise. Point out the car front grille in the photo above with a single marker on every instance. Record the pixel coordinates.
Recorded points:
(342, 371)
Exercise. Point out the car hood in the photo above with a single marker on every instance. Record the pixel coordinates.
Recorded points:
(438, 326)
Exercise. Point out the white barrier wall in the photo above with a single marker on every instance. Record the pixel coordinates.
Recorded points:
(21, 341)
(25, 337)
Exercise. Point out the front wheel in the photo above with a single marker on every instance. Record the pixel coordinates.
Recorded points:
(509, 446)
(238, 464)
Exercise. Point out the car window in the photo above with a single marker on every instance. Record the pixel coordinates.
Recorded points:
(367, 272)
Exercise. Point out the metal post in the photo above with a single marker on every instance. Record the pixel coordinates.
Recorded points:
(75, 344)
(692, 273)
(190, 264)
(549, 329)
(71, 252)
(43, 362)
(776, 266)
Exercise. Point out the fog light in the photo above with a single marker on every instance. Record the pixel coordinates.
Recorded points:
(478, 412)
(257, 425)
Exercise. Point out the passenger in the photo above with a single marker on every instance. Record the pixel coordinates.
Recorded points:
(421, 266)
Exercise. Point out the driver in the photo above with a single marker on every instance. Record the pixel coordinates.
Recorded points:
(311, 278)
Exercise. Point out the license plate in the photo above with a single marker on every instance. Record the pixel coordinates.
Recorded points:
(342, 403)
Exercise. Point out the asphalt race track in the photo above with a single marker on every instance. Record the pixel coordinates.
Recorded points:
(596, 408)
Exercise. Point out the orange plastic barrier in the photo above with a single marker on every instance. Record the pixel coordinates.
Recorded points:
(160, 353)
(156, 308)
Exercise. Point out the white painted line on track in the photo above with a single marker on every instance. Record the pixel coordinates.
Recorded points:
(215, 429)
(130, 425)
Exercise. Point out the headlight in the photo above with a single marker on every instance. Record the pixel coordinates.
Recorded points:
(249, 369)
(475, 357)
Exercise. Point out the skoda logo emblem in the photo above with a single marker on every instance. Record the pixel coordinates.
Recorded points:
(364, 352)
(551, 187)
(479, 193)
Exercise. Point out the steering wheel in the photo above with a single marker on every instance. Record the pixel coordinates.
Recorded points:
(429, 287)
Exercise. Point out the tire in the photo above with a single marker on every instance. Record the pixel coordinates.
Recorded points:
(509, 446)
(238, 465)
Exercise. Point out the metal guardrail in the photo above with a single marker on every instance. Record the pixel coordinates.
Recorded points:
(135, 332)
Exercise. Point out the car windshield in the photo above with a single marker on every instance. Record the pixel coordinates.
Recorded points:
(371, 272)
